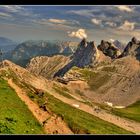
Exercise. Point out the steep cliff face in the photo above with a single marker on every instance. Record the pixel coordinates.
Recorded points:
(85, 55)
(109, 49)
(132, 49)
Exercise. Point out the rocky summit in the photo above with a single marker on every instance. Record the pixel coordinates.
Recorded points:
(132, 48)
(85, 55)
(109, 79)
(109, 49)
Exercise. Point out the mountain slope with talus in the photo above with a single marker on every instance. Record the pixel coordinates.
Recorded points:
(107, 79)
(47, 66)
(116, 81)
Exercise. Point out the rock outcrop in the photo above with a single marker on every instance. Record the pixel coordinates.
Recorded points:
(119, 45)
(86, 55)
(109, 49)
(132, 48)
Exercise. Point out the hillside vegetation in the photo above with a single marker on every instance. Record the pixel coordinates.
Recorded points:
(79, 122)
(131, 112)
(15, 118)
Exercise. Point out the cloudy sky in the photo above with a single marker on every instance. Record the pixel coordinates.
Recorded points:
(22, 23)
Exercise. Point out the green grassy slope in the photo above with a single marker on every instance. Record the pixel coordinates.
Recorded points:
(95, 80)
(15, 118)
(131, 112)
(79, 121)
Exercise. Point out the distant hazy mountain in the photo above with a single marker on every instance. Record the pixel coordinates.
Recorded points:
(7, 44)
(29, 49)
(4, 40)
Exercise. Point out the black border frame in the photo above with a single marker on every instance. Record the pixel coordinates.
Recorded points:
(69, 2)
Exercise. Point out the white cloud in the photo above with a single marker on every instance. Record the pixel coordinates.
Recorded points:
(80, 33)
(42, 21)
(111, 40)
(111, 24)
(54, 26)
(127, 26)
(87, 13)
(56, 21)
(124, 8)
(18, 10)
(96, 21)
(50, 21)
(59, 21)
(4, 15)
(11, 8)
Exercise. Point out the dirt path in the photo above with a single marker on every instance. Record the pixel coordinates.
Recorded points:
(53, 124)
(121, 122)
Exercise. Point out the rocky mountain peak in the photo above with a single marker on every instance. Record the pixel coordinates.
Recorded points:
(132, 48)
(83, 43)
(134, 40)
(109, 49)
(85, 55)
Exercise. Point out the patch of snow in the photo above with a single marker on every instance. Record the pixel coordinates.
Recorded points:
(119, 106)
(108, 103)
(75, 105)
(111, 104)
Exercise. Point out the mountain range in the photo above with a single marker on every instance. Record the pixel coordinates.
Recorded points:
(76, 88)
(23, 52)
(7, 44)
